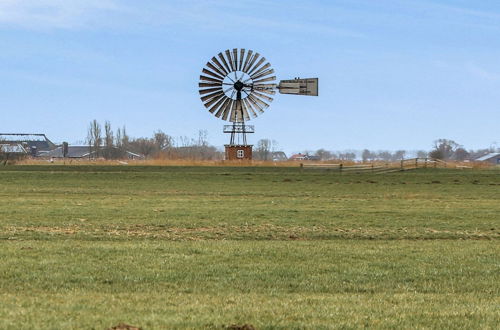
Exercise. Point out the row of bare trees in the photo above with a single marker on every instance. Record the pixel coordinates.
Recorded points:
(443, 149)
(104, 142)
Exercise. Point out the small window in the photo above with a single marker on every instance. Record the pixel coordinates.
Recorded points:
(240, 153)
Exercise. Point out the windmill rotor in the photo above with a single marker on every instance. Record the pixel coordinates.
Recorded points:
(236, 85)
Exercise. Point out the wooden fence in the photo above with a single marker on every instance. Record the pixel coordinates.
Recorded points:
(403, 165)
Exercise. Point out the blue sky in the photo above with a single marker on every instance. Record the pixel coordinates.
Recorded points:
(393, 74)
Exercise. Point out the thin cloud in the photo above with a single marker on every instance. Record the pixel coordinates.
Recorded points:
(469, 12)
(207, 15)
(52, 13)
(481, 72)
(472, 17)
(233, 16)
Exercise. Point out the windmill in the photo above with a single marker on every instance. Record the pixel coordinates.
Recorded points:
(238, 85)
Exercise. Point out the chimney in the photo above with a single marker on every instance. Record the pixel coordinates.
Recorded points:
(65, 149)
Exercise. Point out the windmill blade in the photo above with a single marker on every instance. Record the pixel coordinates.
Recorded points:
(210, 73)
(221, 56)
(249, 55)
(265, 86)
(210, 96)
(219, 65)
(216, 106)
(262, 96)
(248, 104)
(229, 59)
(223, 107)
(262, 104)
(216, 69)
(267, 91)
(210, 90)
(227, 110)
(209, 84)
(235, 59)
(263, 74)
(250, 65)
(265, 66)
(205, 78)
(244, 110)
(262, 60)
(242, 56)
(265, 79)
(255, 104)
(215, 99)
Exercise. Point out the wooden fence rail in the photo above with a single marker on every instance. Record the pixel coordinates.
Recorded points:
(403, 165)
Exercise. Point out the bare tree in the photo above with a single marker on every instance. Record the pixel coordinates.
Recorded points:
(461, 154)
(422, 154)
(94, 139)
(264, 149)
(118, 138)
(347, 155)
(162, 140)
(144, 146)
(323, 154)
(399, 154)
(367, 155)
(108, 141)
(444, 149)
(202, 138)
(125, 138)
(384, 155)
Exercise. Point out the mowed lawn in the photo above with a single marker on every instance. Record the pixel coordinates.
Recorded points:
(190, 247)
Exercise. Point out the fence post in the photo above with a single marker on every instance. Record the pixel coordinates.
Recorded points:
(402, 166)
(425, 164)
(416, 162)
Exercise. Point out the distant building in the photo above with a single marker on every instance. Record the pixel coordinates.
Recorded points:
(298, 156)
(13, 149)
(279, 156)
(309, 157)
(493, 158)
(32, 143)
(81, 152)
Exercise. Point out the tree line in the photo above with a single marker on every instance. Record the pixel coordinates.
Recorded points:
(108, 144)
(104, 142)
(443, 149)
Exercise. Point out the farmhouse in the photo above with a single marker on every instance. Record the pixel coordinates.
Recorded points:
(298, 156)
(492, 157)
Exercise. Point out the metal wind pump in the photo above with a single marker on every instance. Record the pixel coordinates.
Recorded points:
(238, 85)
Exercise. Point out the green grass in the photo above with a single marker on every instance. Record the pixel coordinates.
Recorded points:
(190, 247)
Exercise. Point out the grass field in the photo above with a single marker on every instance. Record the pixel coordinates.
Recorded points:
(190, 247)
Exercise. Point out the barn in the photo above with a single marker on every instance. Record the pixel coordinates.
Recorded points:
(492, 157)
(82, 152)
